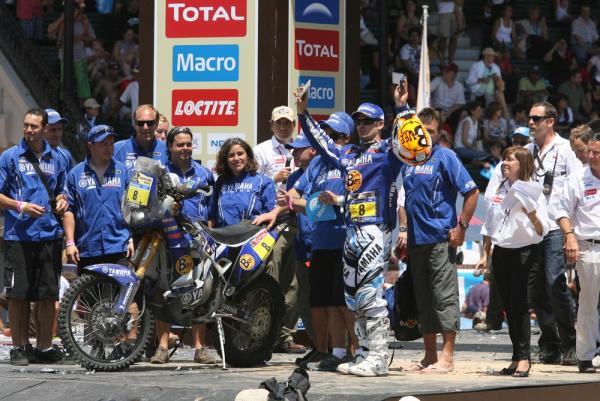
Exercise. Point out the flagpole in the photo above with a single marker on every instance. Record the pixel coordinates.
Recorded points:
(423, 91)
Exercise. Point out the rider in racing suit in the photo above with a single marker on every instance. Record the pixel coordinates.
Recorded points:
(370, 170)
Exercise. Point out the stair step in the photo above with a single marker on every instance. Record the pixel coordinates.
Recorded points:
(468, 53)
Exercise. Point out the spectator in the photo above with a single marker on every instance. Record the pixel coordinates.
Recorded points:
(109, 84)
(575, 93)
(447, 94)
(436, 60)
(561, 11)
(536, 30)
(554, 161)
(477, 300)
(564, 121)
(515, 234)
(584, 35)
(182, 168)
(578, 139)
(520, 136)
(143, 143)
(579, 220)
(485, 78)
(125, 16)
(503, 31)
(32, 178)
(409, 19)
(466, 139)
(519, 119)
(162, 128)
(54, 134)
(97, 60)
(495, 126)
(447, 29)
(92, 111)
(125, 52)
(560, 61)
(410, 56)
(593, 68)
(532, 88)
(30, 14)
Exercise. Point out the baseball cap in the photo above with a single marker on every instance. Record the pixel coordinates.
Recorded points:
(336, 123)
(346, 117)
(488, 51)
(100, 132)
(91, 103)
(283, 112)
(55, 118)
(520, 131)
(299, 143)
(370, 110)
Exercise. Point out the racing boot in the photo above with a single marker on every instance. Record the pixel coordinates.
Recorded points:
(376, 363)
(360, 331)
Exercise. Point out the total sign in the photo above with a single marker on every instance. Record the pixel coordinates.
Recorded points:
(205, 18)
(317, 50)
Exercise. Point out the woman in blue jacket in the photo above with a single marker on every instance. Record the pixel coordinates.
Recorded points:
(240, 192)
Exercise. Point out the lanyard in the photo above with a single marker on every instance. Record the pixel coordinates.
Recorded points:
(536, 156)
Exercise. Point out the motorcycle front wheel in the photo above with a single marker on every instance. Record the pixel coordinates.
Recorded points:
(251, 343)
(93, 334)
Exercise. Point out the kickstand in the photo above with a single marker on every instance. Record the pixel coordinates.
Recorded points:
(221, 339)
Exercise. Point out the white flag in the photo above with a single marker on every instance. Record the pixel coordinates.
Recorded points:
(423, 92)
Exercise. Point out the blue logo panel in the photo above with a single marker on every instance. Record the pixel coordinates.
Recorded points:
(321, 94)
(318, 12)
(206, 63)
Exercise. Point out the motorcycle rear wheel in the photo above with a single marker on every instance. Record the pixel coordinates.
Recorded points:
(252, 344)
(84, 310)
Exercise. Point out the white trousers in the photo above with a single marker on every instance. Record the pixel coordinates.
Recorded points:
(588, 270)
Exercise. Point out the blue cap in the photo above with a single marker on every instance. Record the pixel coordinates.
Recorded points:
(347, 119)
(337, 124)
(370, 110)
(100, 133)
(520, 131)
(299, 143)
(55, 118)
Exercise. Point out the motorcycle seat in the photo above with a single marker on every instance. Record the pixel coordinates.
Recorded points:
(233, 235)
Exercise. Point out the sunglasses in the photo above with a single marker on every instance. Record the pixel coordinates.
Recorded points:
(536, 119)
(149, 123)
(365, 121)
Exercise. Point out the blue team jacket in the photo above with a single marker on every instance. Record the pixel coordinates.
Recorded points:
(127, 151)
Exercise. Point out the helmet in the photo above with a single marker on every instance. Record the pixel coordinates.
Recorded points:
(411, 142)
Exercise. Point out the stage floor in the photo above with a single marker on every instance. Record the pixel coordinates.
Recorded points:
(478, 357)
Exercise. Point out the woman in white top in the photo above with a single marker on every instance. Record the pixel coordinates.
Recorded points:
(503, 32)
(516, 233)
(467, 132)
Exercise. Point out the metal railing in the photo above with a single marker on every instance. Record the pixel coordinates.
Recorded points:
(42, 84)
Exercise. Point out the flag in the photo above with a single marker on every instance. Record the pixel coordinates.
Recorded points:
(423, 91)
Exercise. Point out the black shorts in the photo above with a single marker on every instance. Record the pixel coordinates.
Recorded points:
(115, 258)
(32, 269)
(326, 278)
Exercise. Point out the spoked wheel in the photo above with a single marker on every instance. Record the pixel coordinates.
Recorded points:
(94, 334)
(251, 343)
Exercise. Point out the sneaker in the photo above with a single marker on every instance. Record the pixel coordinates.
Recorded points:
(308, 355)
(586, 367)
(482, 327)
(345, 367)
(374, 365)
(290, 347)
(316, 357)
(160, 357)
(18, 356)
(49, 356)
(30, 353)
(330, 363)
(550, 357)
(596, 361)
(569, 358)
(202, 356)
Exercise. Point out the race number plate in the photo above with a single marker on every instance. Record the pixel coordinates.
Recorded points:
(264, 245)
(138, 190)
(362, 208)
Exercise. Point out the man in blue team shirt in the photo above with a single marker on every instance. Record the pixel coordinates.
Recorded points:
(54, 133)
(434, 232)
(143, 143)
(32, 244)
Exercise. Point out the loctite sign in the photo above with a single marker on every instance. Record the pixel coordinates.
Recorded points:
(205, 18)
(205, 107)
(317, 50)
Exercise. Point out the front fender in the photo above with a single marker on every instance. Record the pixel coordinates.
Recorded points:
(124, 277)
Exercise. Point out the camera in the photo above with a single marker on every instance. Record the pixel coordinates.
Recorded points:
(548, 182)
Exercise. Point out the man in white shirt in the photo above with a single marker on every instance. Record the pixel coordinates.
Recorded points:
(485, 77)
(579, 220)
(584, 35)
(553, 161)
(447, 94)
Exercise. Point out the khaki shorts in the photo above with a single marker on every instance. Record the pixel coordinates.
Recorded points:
(448, 25)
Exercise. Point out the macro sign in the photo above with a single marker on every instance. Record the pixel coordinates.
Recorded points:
(206, 68)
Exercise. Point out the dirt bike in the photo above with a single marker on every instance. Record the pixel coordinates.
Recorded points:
(107, 315)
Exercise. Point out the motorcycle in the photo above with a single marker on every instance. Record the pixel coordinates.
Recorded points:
(106, 316)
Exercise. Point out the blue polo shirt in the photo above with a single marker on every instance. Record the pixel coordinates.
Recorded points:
(99, 225)
(302, 241)
(195, 208)
(127, 151)
(67, 155)
(321, 176)
(431, 190)
(19, 181)
(244, 197)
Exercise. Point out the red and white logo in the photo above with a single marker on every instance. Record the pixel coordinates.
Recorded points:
(205, 107)
(317, 50)
(205, 18)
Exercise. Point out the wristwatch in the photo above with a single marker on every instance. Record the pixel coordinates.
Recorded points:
(463, 223)
(403, 229)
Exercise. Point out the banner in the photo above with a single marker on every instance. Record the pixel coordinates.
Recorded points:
(423, 91)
